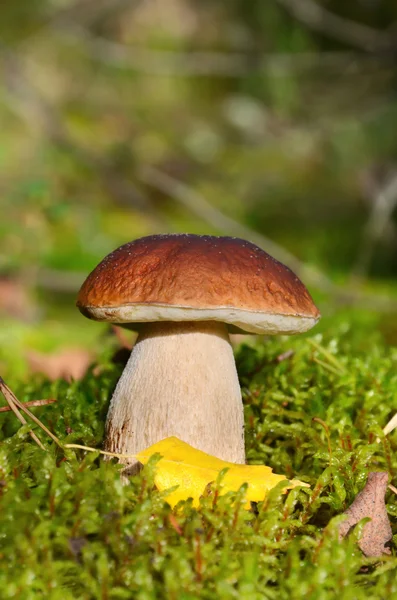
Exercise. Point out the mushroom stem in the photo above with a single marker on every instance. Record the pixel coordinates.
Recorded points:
(180, 380)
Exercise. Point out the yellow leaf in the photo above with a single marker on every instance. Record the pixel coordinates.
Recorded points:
(192, 470)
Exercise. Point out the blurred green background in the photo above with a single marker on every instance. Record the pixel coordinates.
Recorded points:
(271, 120)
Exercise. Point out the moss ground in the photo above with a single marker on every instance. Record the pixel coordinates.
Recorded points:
(70, 530)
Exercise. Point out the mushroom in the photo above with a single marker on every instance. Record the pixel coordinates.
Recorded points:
(184, 293)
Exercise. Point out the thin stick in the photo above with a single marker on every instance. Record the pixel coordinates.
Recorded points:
(197, 62)
(391, 425)
(31, 403)
(379, 219)
(38, 422)
(104, 452)
(12, 401)
(198, 205)
(392, 488)
(318, 18)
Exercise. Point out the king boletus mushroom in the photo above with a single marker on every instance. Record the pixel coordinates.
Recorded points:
(184, 293)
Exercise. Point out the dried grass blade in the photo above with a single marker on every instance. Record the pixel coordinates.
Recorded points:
(391, 425)
(16, 403)
(13, 402)
(331, 358)
(43, 402)
(103, 452)
(326, 365)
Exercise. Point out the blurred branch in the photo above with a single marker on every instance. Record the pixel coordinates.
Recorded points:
(43, 402)
(83, 11)
(29, 104)
(14, 405)
(199, 206)
(199, 63)
(383, 206)
(349, 32)
(67, 282)
(90, 10)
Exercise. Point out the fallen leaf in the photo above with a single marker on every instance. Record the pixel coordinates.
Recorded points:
(192, 470)
(70, 363)
(123, 339)
(370, 502)
(15, 299)
(236, 339)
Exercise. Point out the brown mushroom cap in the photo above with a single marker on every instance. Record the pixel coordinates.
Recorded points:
(186, 277)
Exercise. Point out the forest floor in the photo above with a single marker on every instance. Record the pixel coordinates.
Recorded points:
(315, 407)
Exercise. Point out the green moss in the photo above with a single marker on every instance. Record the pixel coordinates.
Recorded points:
(69, 529)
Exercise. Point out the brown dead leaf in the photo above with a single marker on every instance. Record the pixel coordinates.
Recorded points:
(70, 363)
(370, 502)
(239, 338)
(123, 339)
(15, 300)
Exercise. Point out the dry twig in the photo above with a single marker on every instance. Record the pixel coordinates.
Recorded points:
(15, 404)
(199, 206)
(31, 403)
(84, 11)
(318, 18)
(383, 207)
(391, 425)
(199, 63)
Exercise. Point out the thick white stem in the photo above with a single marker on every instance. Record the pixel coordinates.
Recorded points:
(180, 380)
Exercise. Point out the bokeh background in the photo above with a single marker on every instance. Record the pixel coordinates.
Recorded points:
(271, 120)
